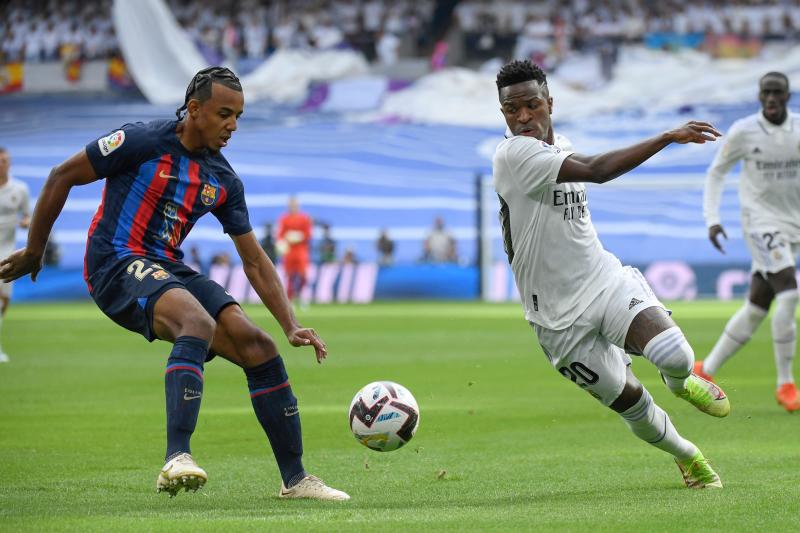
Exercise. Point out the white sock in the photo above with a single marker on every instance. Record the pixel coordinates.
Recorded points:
(737, 332)
(672, 355)
(784, 338)
(651, 424)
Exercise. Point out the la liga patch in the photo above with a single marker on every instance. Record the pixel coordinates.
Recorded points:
(111, 142)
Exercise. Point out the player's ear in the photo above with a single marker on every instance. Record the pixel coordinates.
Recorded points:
(193, 107)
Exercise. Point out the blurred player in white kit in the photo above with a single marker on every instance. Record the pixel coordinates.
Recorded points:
(14, 211)
(768, 144)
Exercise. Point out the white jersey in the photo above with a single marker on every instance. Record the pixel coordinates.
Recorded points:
(14, 204)
(769, 183)
(559, 264)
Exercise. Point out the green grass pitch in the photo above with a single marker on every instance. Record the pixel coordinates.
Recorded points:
(505, 443)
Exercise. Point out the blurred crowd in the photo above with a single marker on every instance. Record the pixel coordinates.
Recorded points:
(51, 30)
(384, 30)
(548, 30)
(381, 30)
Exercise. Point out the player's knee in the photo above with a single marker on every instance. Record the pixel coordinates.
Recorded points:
(198, 323)
(630, 395)
(670, 352)
(783, 322)
(256, 347)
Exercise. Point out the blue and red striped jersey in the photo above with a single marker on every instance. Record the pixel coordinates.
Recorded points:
(155, 192)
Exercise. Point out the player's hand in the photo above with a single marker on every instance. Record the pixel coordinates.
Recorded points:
(713, 236)
(20, 263)
(695, 132)
(308, 337)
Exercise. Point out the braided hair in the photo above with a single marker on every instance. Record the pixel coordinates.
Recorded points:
(200, 86)
(518, 72)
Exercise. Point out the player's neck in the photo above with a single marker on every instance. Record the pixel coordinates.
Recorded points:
(3, 180)
(189, 138)
(780, 120)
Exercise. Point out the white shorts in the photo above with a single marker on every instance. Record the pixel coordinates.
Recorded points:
(771, 250)
(591, 352)
(6, 289)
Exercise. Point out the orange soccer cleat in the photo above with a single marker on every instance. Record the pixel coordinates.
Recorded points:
(698, 371)
(787, 397)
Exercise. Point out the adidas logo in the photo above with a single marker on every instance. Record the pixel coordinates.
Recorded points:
(634, 303)
(756, 150)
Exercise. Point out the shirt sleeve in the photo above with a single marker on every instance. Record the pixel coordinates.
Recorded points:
(533, 163)
(727, 156)
(232, 213)
(121, 149)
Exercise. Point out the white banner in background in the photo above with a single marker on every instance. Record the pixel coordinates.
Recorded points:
(162, 59)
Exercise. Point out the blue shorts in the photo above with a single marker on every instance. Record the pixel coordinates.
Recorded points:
(127, 291)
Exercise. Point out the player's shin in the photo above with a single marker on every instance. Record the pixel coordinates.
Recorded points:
(183, 383)
(651, 424)
(276, 409)
(784, 334)
(672, 355)
(737, 332)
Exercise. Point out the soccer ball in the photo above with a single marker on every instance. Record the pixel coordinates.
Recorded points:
(383, 416)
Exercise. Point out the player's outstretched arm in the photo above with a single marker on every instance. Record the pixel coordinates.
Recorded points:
(607, 166)
(77, 170)
(264, 279)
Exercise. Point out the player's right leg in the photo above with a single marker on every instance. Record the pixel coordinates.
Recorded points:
(180, 318)
(635, 320)
(143, 297)
(740, 327)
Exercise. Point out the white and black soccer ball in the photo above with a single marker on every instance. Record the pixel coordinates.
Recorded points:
(384, 416)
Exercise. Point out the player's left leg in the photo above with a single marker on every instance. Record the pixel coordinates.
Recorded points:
(655, 335)
(240, 341)
(784, 335)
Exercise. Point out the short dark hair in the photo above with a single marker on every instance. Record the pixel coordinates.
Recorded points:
(518, 72)
(200, 86)
(775, 74)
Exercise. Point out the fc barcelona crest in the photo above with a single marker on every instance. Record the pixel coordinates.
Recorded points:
(209, 194)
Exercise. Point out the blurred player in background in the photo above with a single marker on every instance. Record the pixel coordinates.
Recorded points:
(294, 242)
(769, 192)
(14, 211)
(586, 308)
(161, 177)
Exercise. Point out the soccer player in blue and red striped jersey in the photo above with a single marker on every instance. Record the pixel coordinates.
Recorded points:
(161, 177)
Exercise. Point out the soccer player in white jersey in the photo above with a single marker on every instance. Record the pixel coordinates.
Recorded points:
(768, 143)
(14, 210)
(585, 307)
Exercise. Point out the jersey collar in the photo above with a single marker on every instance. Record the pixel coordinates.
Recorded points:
(771, 128)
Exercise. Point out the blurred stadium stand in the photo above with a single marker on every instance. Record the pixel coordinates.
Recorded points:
(405, 140)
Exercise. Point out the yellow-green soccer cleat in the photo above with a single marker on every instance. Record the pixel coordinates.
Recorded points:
(313, 488)
(698, 474)
(180, 472)
(706, 396)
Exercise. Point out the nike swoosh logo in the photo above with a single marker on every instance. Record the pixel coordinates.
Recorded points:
(187, 397)
(166, 176)
(290, 412)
